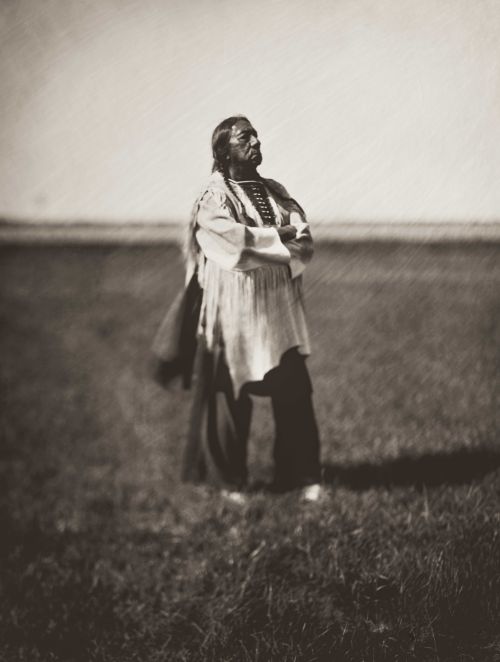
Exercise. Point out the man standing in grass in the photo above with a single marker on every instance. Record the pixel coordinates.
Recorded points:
(248, 245)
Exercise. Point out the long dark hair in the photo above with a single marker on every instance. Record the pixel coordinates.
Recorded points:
(220, 142)
(220, 150)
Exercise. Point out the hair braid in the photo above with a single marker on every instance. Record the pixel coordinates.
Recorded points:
(249, 221)
(227, 182)
(220, 150)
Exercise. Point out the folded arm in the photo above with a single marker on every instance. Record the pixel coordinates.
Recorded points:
(301, 246)
(232, 245)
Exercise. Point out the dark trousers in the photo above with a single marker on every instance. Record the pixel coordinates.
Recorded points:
(216, 451)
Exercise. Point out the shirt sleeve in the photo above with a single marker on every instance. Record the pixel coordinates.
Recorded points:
(301, 247)
(232, 245)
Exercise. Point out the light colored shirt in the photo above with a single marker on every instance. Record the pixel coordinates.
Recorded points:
(252, 286)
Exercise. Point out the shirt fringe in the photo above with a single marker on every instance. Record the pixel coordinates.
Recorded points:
(257, 315)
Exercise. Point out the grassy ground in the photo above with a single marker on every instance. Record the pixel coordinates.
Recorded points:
(104, 555)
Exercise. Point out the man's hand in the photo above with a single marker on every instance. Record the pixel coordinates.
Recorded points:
(287, 232)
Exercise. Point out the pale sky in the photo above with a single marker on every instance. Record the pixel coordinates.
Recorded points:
(366, 109)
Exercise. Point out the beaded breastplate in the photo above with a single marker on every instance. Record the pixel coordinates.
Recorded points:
(258, 196)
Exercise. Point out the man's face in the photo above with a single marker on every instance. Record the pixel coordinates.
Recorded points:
(244, 145)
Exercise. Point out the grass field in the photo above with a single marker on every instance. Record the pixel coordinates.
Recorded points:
(105, 555)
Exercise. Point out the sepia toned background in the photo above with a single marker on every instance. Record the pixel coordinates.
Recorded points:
(381, 117)
(368, 110)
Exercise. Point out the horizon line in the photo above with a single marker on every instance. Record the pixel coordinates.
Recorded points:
(151, 232)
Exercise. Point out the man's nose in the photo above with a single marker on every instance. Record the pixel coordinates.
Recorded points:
(254, 142)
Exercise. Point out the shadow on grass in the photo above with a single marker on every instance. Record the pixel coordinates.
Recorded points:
(455, 468)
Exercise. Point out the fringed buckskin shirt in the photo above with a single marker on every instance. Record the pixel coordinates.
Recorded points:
(252, 302)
